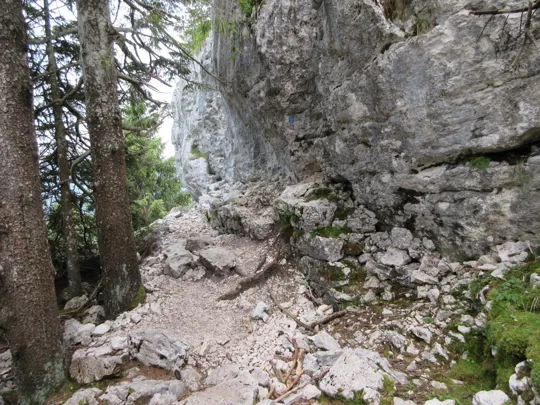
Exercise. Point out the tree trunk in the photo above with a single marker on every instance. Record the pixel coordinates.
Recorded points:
(68, 225)
(115, 232)
(26, 273)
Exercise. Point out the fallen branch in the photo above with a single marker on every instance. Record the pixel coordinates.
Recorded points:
(288, 313)
(312, 325)
(309, 295)
(251, 280)
(295, 360)
(535, 6)
(327, 319)
(293, 390)
(527, 34)
(259, 275)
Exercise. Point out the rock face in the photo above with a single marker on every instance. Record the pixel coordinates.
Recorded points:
(419, 109)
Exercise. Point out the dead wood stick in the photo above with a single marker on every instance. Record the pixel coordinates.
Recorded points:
(535, 6)
(288, 313)
(526, 36)
(314, 378)
(327, 319)
(313, 324)
(271, 392)
(247, 282)
(309, 295)
(300, 362)
(296, 379)
(295, 360)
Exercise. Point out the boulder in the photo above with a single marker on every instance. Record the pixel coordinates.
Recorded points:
(298, 206)
(318, 247)
(513, 252)
(134, 392)
(76, 303)
(401, 238)
(223, 373)
(420, 277)
(95, 314)
(101, 329)
(350, 374)
(422, 333)
(88, 368)
(157, 348)
(191, 378)
(323, 340)
(395, 257)
(75, 332)
(242, 390)
(495, 397)
(217, 259)
(179, 260)
(84, 396)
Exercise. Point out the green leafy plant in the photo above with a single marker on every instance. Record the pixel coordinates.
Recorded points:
(197, 154)
(480, 162)
(246, 6)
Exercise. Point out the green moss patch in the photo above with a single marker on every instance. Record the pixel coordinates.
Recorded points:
(140, 297)
(323, 193)
(196, 154)
(480, 162)
(334, 273)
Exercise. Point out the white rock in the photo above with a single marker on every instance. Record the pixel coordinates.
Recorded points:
(101, 329)
(395, 257)
(518, 385)
(495, 397)
(437, 402)
(76, 302)
(119, 342)
(84, 396)
(513, 252)
(350, 374)
(243, 390)
(259, 312)
(95, 314)
(325, 341)
(422, 333)
(75, 332)
(439, 385)
(157, 348)
(535, 280)
(191, 377)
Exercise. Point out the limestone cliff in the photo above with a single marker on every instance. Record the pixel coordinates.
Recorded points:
(427, 114)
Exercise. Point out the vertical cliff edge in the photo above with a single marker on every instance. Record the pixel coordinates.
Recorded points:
(422, 112)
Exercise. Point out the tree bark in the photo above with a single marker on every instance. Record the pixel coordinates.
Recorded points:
(31, 321)
(115, 232)
(68, 225)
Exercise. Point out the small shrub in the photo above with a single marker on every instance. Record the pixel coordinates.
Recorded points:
(480, 162)
(246, 6)
(197, 154)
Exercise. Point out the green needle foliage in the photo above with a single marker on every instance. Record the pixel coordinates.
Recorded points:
(153, 186)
